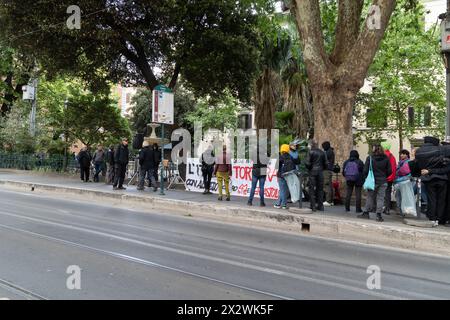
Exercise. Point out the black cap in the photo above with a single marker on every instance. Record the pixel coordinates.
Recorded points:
(434, 141)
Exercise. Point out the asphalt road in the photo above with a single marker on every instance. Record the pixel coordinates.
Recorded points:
(127, 254)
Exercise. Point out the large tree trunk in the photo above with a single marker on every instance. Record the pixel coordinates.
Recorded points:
(265, 99)
(337, 77)
(333, 120)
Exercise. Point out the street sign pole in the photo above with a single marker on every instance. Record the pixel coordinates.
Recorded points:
(162, 160)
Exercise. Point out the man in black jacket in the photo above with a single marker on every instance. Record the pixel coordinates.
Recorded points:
(316, 162)
(208, 164)
(147, 162)
(85, 158)
(435, 177)
(328, 173)
(121, 159)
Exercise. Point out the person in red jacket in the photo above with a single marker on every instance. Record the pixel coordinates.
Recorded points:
(222, 171)
(390, 179)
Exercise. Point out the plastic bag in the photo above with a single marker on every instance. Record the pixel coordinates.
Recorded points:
(294, 186)
(408, 201)
(369, 184)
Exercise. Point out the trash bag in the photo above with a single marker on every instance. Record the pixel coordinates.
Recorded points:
(294, 186)
(408, 201)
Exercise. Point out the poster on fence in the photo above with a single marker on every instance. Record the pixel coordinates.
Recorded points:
(241, 180)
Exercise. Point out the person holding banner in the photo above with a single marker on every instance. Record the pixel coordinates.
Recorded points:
(259, 173)
(222, 171)
(207, 168)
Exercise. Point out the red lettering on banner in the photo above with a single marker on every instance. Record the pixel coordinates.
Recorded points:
(243, 189)
(271, 173)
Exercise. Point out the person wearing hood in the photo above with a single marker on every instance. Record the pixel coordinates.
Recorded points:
(316, 163)
(390, 180)
(328, 174)
(382, 169)
(147, 162)
(435, 178)
(353, 172)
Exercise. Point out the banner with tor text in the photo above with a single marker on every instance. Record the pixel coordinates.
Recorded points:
(241, 179)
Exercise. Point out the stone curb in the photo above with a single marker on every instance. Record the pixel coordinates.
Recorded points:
(302, 220)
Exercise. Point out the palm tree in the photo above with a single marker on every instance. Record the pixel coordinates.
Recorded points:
(268, 85)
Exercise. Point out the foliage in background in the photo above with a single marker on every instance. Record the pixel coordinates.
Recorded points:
(407, 72)
(221, 114)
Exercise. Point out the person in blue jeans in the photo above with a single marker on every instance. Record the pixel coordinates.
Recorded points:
(286, 164)
(259, 173)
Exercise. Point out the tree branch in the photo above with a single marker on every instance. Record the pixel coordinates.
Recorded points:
(176, 72)
(307, 14)
(363, 52)
(347, 29)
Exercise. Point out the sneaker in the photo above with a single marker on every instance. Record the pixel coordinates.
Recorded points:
(205, 192)
(435, 223)
(262, 204)
(122, 188)
(364, 215)
(284, 207)
(155, 189)
(249, 203)
(379, 218)
(220, 198)
(276, 206)
(326, 204)
(228, 199)
(140, 189)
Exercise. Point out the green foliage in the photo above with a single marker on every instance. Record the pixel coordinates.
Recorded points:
(90, 118)
(212, 44)
(14, 130)
(222, 114)
(407, 72)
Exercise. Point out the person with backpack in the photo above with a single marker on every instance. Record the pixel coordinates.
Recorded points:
(379, 167)
(406, 201)
(285, 164)
(353, 169)
(390, 179)
(316, 163)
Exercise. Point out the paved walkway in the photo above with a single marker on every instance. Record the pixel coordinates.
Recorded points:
(179, 194)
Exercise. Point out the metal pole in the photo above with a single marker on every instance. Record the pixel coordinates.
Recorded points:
(162, 160)
(65, 138)
(447, 73)
(300, 201)
(33, 109)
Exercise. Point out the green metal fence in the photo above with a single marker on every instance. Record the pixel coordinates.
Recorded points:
(35, 162)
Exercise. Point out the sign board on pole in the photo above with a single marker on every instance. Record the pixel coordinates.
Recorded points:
(162, 105)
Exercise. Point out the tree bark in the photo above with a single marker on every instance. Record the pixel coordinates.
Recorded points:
(333, 113)
(336, 79)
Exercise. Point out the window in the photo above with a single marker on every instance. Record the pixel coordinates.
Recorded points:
(245, 121)
(419, 117)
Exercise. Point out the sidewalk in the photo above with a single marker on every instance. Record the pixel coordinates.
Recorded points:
(333, 223)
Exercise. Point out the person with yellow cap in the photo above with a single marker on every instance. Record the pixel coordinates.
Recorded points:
(285, 164)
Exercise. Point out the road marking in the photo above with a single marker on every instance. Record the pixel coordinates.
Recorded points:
(145, 262)
(206, 257)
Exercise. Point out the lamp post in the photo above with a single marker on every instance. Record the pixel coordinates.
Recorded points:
(65, 138)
